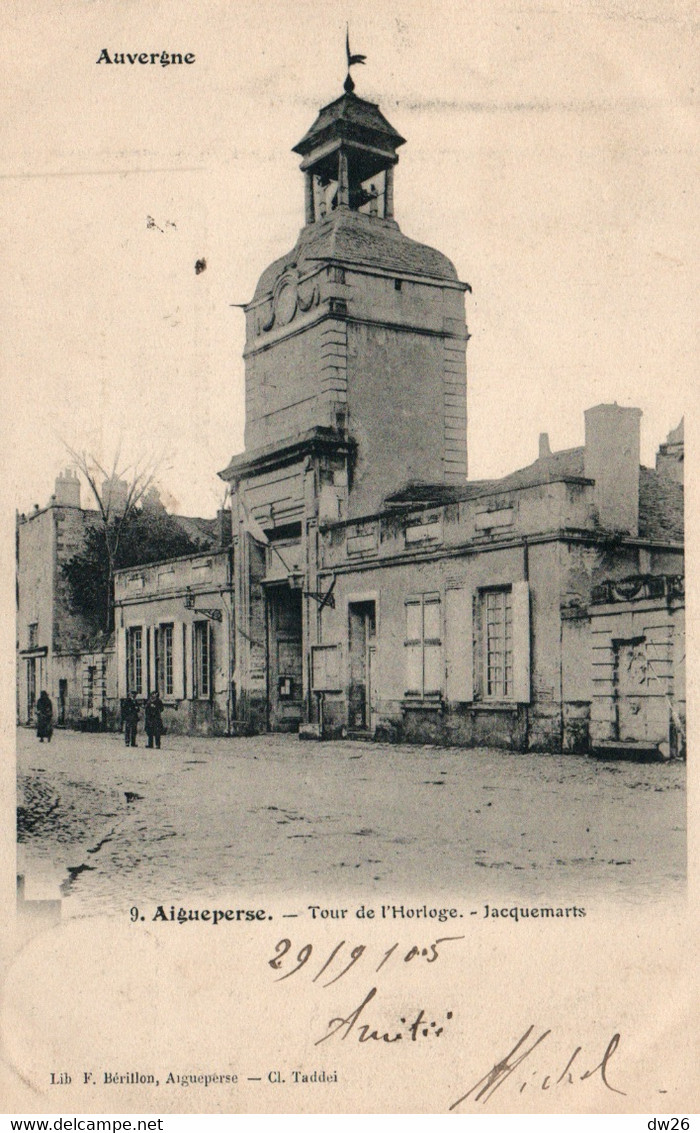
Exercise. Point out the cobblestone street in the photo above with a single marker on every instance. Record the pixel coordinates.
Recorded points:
(105, 826)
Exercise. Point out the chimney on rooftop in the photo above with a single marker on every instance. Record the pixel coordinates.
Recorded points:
(67, 491)
(669, 458)
(612, 460)
(545, 450)
(115, 493)
(224, 528)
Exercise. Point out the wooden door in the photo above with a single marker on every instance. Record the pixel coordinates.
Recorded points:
(362, 699)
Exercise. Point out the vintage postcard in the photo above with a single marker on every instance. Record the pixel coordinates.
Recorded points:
(348, 356)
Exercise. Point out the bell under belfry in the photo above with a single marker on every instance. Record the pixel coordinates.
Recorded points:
(349, 156)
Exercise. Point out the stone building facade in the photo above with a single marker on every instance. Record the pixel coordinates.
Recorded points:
(370, 588)
(50, 635)
(376, 590)
(173, 630)
(58, 648)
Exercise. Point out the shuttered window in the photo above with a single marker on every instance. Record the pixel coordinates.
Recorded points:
(423, 645)
(459, 634)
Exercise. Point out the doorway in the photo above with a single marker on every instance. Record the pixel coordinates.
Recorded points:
(31, 689)
(284, 659)
(362, 647)
(62, 700)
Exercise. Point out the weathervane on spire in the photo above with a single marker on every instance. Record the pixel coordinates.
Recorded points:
(349, 85)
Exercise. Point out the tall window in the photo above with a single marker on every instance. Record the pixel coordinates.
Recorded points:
(31, 688)
(164, 660)
(33, 635)
(202, 660)
(423, 645)
(134, 660)
(497, 612)
(90, 688)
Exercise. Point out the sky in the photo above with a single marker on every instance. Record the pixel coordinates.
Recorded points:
(549, 154)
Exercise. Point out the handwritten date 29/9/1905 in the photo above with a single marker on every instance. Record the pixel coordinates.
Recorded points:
(417, 1024)
(344, 958)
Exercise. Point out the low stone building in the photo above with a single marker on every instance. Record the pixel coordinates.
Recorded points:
(59, 648)
(174, 634)
(464, 615)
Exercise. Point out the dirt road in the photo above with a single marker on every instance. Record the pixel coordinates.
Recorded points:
(107, 825)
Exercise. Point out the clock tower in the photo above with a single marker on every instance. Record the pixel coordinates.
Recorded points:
(355, 385)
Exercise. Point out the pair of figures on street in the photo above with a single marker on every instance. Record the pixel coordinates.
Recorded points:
(153, 719)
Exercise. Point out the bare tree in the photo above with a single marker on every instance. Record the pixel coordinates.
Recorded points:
(118, 492)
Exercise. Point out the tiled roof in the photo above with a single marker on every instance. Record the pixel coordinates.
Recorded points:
(660, 497)
(564, 465)
(353, 238)
(419, 492)
(351, 110)
(204, 531)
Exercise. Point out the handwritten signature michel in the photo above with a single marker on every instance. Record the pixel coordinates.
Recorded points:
(520, 1068)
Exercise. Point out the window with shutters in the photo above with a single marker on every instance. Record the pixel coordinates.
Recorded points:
(423, 646)
(134, 660)
(202, 660)
(458, 644)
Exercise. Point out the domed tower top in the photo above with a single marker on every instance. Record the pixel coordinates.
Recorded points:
(358, 332)
(349, 156)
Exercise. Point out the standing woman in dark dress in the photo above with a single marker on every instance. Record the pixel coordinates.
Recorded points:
(44, 717)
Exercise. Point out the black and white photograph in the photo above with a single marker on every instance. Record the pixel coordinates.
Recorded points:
(349, 352)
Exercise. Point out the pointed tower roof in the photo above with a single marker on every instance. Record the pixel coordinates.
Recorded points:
(350, 119)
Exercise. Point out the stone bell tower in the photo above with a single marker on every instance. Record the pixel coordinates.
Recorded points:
(359, 330)
(355, 384)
